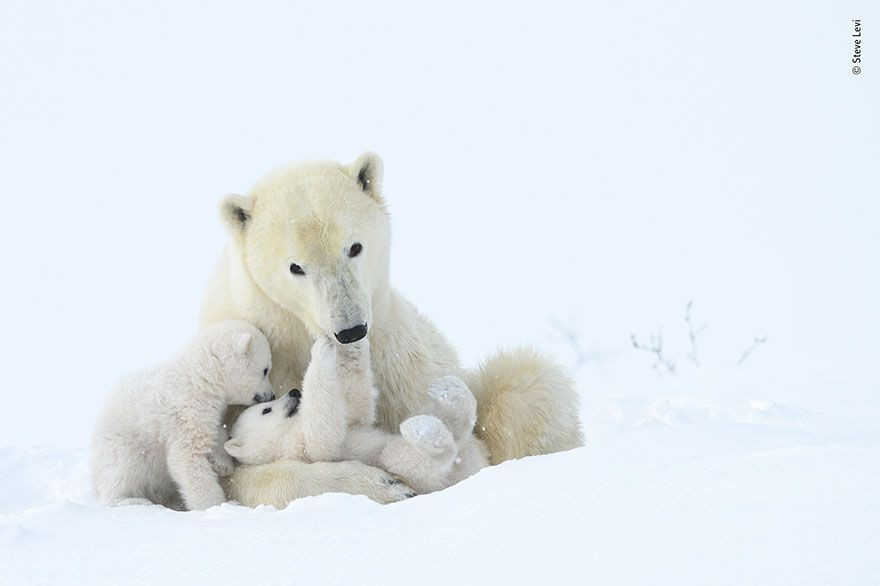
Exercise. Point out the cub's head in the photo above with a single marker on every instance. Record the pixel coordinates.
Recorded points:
(260, 433)
(243, 358)
(315, 238)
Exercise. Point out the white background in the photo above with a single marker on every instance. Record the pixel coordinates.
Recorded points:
(597, 165)
(605, 162)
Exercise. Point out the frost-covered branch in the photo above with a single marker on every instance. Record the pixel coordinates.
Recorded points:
(757, 341)
(655, 347)
(693, 332)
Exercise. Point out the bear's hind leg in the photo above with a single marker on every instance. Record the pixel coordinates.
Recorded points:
(124, 471)
(423, 455)
(131, 502)
(453, 402)
(450, 399)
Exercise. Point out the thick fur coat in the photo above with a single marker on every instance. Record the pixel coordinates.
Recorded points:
(332, 418)
(308, 256)
(159, 438)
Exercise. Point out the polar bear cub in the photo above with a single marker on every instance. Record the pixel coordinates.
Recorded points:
(159, 437)
(332, 419)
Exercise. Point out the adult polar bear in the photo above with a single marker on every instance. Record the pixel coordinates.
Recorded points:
(309, 256)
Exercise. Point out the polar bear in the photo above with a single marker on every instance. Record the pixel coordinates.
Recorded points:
(159, 437)
(308, 256)
(333, 422)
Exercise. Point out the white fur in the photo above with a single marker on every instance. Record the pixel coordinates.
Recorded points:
(310, 214)
(159, 437)
(279, 482)
(328, 424)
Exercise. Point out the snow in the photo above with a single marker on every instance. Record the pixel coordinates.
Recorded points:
(726, 501)
(697, 484)
(584, 168)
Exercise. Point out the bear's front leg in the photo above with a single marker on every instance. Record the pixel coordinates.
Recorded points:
(323, 412)
(356, 376)
(194, 476)
(221, 462)
(282, 481)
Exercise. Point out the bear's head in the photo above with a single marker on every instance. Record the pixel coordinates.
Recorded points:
(315, 239)
(261, 432)
(243, 357)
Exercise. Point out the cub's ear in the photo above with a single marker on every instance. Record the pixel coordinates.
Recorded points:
(235, 211)
(367, 171)
(234, 448)
(242, 344)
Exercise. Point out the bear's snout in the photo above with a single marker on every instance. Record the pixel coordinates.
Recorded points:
(264, 397)
(351, 334)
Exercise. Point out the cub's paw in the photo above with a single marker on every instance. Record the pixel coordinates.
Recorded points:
(396, 489)
(211, 497)
(134, 502)
(221, 462)
(324, 358)
(427, 433)
(323, 349)
(450, 399)
(375, 483)
(354, 354)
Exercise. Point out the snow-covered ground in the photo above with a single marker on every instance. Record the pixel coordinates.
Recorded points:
(558, 174)
(681, 488)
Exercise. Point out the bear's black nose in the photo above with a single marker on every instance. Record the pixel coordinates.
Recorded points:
(351, 334)
(294, 394)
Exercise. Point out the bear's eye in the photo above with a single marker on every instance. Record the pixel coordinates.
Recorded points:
(267, 410)
(265, 371)
(296, 269)
(355, 250)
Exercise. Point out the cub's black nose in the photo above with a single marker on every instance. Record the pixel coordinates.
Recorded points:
(293, 403)
(351, 334)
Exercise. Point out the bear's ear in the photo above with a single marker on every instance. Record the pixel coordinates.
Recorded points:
(234, 448)
(235, 211)
(367, 171)
(242, 344)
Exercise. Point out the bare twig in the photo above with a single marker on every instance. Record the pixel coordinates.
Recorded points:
(757, 341)
(693, 332)
(655, 347)
(569, 335)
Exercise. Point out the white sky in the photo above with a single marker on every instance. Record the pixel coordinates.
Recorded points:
(610, 161)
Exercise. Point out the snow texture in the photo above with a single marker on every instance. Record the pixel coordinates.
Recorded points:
(563, 174)
(691, 493)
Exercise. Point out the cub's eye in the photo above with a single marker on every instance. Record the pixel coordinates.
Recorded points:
(355, 250)
(265, 371)
(267, 410)
(296, 269)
